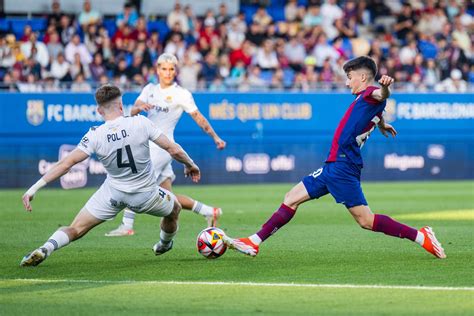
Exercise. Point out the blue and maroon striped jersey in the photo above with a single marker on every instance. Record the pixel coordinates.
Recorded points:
(355, 127)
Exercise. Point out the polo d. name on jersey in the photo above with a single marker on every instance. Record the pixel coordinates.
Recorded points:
(116, 136)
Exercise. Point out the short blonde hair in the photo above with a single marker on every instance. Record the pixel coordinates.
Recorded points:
(167, 58)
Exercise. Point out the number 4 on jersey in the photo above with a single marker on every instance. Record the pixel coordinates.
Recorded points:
(131, 161)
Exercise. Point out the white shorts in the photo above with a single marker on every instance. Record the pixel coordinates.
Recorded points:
(107, 202)
(161, 161)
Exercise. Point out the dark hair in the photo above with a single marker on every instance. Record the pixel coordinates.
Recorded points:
(359, 63)
(107, 93)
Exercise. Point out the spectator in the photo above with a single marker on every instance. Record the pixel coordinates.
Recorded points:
(51, 85)
(266, 58)
(88, 16)
(405, 22)
(129, 16)
(176, 46)
(36, 49)
(96, 67)
(255, 34)
(209, 69)
(65, 29)
(56, 14)
(54, 46)
(461, 36)
(276, 82)
(190, 18)
(235, 36)
(92, 40)
(224, 66)
(178, 16)
(76, 47)
(80, 85)
(262, 18)
(254, 80)
(223, 15)
(322, 51)
(31, 85)
(243, 54)
(60, 68)
(432, 75)
(7, 59)
(291, 10)
(313, 17)
(120, 70)
(453, 84)
(27, 31)
(77, 67)
(135, 68)
(140, 33)
(239, 20)
(217, 85)
(330, 12)
(188, 73)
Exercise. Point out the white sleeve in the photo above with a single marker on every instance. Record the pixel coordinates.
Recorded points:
(187, 102)
(87, 143)
(144, 94)
(151, 129)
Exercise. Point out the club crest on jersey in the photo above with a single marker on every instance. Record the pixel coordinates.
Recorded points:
(169, 99)
(35, 112)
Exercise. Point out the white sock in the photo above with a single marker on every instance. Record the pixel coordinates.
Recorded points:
(58, 240)
(128, 219)
(255, 239)
(166, 238)
(203, 209)
(420, 238)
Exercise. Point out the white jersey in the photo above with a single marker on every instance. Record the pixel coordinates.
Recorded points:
(168, 105)
(122, 145)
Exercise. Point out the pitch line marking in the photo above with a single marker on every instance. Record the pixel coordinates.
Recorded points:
(257, 284)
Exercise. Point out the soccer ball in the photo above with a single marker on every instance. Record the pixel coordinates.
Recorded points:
(210, 243)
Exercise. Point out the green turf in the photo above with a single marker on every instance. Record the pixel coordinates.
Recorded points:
(322, 245)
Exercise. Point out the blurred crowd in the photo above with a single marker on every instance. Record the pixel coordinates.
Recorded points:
(424, 45)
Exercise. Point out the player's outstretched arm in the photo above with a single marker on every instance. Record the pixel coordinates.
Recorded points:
(384, 92)
(59, 169)
(206, 127)
(140, 106)
(178, 153)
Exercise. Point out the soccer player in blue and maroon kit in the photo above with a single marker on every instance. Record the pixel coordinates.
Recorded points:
(340, 175)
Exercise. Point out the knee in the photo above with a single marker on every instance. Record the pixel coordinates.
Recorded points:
(176, 210)
(290, 201)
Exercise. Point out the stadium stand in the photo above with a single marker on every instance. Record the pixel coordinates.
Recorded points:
(425, 45)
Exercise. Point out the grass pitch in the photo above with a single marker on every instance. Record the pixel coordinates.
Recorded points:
(320, 263)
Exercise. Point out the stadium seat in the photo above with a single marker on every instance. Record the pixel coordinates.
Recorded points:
(159, 26)
(4, 25)
(38, 24)
(249, 11)
(277, 13)
(288, 77)
(110, 26)
(266, 75)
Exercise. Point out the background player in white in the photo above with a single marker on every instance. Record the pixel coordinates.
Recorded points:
(122, 145)
(165, 102)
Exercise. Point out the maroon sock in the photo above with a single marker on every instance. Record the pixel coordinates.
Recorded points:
(388, 226)
(282, 216)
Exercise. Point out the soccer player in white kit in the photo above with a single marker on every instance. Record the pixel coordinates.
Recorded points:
(164, 103)
(122, 145)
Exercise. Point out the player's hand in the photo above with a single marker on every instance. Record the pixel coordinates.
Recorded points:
(143, 107)
(220, 144)
(387, 129)
(26, 202)
(193, 172)
(386, 81)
